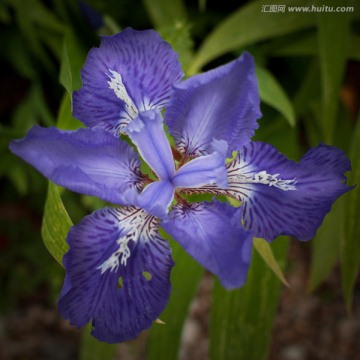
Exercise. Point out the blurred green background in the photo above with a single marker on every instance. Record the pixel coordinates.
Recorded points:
(309, 78)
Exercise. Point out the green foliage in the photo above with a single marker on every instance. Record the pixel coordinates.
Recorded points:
(350, 255)
(326, 246)
(247, 26)
(91, 349)
(333, 45)
(265, 251)
(56, 224)
(165, 13)
(72, 60)
(302, 60)
(241, 320)
(164, 339)
(65, 119)
(273, 94)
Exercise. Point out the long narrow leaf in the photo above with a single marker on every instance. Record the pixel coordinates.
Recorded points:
(272, 93)
(333, 36)
(72, 59)
(164, 339)
(92, 349)
(170, 19)
(65, 119)
(242, 320)
(164, 12)
(350, 254)
(249, 25)
(56, 224)
(265, 251)
(325, 247)
(308, 46)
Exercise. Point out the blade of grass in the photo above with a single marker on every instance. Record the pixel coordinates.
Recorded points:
(272, 93)
(264, 250)
(333, 34)
(249, 25)
(164, 12)
(325, 247)
(350, 247)
(56, 224)
(241, 320)
(72, 60)
(92, 349)
(164, 339)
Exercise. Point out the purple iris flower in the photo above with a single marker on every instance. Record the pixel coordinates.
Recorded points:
(118, 266)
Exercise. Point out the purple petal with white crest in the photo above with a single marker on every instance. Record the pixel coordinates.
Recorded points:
(88, 161)
(280, 196)
(212, 234)
(221, 104)
(147, 133)
(117, 273)
(204, 170)
(130, 72)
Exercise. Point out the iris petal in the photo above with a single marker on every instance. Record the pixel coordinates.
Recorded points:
(284, 197)
(130, 72)
(213, 235)
(88, 161)
(118, 273)
(204, 170)
(156, 198)
(147, 133)
(221, 104)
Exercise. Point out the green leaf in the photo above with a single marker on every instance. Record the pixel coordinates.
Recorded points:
(307, 100)
(72, 60)
(56, 221)
(27, 17)
(164, 12)
(92, 349)
(293, 45)
(17, 175)
(164, 339)
(56, 224)
(264, 250)
(307, 45)
(272, 93)
(5, 16)
(354, 47)
(17, 53)
(249, 25)
(308, 92)
(65, 119)
(241, 320)
(178, 35)
(39, 15)
(325, 247)
(350, 254)
(32, 110)
(169, 18)
(333, 34)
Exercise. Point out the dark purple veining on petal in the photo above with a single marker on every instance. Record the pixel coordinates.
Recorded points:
(220, 104)
(88, 161)
(120, 301)
(148, 68)
(297, 204)
(213, 235)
